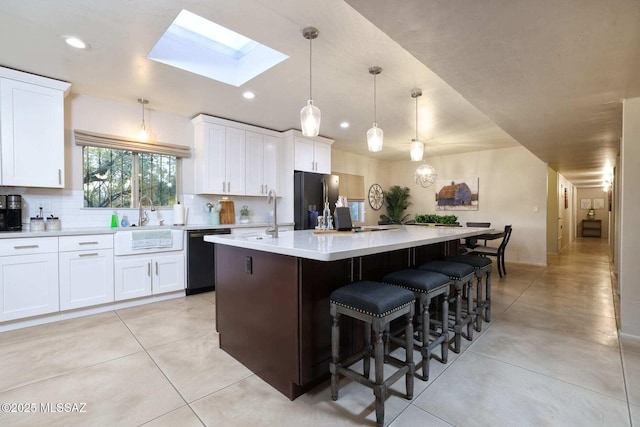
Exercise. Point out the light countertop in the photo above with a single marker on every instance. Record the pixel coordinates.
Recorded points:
(79, 231)
(336, 246)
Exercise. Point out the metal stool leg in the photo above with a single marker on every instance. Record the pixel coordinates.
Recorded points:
(335, 356)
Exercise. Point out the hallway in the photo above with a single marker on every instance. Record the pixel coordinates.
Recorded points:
(550, 357)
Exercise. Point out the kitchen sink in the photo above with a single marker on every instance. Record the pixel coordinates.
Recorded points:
(141, 240)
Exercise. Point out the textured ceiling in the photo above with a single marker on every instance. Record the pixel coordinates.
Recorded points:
(552, 74)
(548, 75)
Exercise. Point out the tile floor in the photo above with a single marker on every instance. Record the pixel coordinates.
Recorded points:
(550, 357)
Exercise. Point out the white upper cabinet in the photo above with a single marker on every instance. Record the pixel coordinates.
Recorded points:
(261, 163)
(31, 129)
(233, 158)
(312, 155)
(219, 159)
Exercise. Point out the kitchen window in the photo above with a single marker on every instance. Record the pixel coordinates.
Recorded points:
(117, 172)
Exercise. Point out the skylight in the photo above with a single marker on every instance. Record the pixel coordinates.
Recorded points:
(195, 44)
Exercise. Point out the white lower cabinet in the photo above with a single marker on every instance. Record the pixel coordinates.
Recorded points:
(86, 270)
(28, 277)
(138, 275)
(86, 278)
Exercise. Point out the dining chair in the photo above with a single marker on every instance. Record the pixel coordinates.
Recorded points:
(471, 243)
(497, 252)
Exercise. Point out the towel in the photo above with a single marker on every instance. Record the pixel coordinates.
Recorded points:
(151, 239)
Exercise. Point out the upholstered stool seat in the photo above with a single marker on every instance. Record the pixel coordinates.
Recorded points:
(482, 267)
(377, 305)
(462, 277)
(427, 285)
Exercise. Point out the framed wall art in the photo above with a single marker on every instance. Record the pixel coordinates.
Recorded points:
(458, 194)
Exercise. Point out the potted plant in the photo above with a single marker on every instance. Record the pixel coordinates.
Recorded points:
(397, 200)
(433, 219)
(244, 215)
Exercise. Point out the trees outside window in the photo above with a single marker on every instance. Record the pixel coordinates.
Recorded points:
(118, 178)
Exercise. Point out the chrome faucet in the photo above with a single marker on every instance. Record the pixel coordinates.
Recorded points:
(143, 218)
(273, 232)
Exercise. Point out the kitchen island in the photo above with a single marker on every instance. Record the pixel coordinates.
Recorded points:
(272, 295)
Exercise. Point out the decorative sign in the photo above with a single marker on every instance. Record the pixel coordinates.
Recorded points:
(598, 203)
(585, 204)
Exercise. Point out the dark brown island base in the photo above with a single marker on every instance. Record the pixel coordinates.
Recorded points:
(272, 295)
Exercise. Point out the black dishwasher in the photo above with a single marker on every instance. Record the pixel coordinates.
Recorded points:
(200, 260)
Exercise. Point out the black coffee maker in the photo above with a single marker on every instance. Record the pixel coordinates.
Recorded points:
(13, 217)
(3, 213)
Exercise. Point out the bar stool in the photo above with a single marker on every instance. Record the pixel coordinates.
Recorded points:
(377, 305)
(482, 267)
(462, 277)
(427, 285)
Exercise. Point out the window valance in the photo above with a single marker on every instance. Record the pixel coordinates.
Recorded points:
(92, 139)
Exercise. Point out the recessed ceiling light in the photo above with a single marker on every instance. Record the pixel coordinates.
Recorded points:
(249, 95)
(344, 125)
(75, 42)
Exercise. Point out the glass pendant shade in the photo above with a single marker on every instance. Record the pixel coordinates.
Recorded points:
(310, 114)
(425, 175)
(143, 135)
(375, 137)
(310, 119)
(416, 150)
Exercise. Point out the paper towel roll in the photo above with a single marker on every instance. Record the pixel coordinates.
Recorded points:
(178, 214)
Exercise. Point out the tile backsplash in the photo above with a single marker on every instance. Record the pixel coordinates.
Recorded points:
(68, 206)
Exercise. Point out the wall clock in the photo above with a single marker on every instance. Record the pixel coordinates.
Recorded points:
(376, 196)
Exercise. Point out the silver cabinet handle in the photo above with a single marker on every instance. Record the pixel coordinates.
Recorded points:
(87, 243)
(228, 187)
(223, 186)
(60, 176)
(156, 268)
(26, 247)
(90, 254)
(149, 269)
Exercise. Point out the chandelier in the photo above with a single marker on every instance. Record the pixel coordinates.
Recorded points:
(425, 175)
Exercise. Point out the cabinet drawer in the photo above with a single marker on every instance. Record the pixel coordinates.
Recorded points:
(86, 242)
(29, 245)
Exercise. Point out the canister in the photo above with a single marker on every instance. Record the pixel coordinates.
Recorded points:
(53, 223)
(36, 223)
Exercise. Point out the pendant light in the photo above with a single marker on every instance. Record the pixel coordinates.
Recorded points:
(310, 114)
(143, 135)
(417, 147)
(375, 135)
(425, 174)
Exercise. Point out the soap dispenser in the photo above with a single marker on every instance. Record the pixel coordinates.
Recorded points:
(114, 220)
(125, 221)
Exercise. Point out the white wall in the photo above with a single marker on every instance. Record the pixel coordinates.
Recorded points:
(513, 190)
(629, 224)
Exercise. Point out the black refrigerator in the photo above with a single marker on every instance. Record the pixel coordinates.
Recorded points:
(310, 191)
